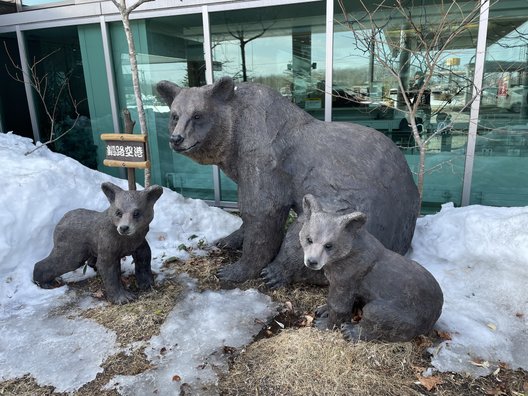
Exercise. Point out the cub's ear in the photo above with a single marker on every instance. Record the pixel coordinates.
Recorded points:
(353, 221)
(110, 190)
(153, 193)
(310, 205)
(168, 91)
(223, 89)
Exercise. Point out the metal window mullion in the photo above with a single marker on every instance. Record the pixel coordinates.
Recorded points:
(27, 83)
(209, 80)
(475, 105)
(109, 66)
(329, 59)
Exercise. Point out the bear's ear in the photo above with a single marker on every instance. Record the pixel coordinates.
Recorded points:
(110, 190)
(153, 193)
(310, 205)
(353, 221)
(168, 91)
(223, 89)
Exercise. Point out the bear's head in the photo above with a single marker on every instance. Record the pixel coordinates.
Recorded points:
(131, 211)
(200, 118)
(327, 237)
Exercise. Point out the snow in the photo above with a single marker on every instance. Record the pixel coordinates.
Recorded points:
(478, 254)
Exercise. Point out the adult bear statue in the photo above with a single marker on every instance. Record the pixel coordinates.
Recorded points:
(277, 153)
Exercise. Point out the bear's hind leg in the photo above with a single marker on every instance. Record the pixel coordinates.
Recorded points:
(382, 321)
(56, 264)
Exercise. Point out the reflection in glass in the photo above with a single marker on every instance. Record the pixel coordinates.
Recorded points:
(500, 172)
(14, 111)
(282, 47)
(379, 55)
(61, 101)
(171, 49)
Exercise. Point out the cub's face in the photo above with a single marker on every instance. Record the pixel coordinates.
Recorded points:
(321, 240)
(327, 237)
(131, 211)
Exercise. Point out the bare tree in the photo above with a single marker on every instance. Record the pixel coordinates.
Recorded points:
(240, 35)
(400, 37)
(125, 12)
(49, 95)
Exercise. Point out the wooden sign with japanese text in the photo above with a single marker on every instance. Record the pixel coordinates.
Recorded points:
(125, 150)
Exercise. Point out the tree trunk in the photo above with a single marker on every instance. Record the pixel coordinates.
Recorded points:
(135, 83)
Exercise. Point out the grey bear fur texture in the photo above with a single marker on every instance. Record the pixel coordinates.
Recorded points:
(277, 153)
(101, 239)
(396, 298)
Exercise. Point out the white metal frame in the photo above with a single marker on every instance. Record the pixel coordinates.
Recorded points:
(480, 59)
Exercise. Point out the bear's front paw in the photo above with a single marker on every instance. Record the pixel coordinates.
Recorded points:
(237, 272)
(321, 323)
(121, 297)
(145, 282)
(351, 332)
(233, 241)
(274, 277)
(321, 318)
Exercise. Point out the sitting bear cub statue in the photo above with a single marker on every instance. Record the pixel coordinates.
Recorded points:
(374, 293)
(101, 239)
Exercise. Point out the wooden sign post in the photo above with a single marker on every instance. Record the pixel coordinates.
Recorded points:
(126, 150)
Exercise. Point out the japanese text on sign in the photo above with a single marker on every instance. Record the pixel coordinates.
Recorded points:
(128, 152)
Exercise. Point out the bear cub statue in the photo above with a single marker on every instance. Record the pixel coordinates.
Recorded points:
(101, 239)
(374, 293)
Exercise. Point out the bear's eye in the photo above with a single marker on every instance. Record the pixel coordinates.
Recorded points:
(328, 246)
(175, 118)
(118, 213)
(136, 213)
(309, 241)
(197, 116)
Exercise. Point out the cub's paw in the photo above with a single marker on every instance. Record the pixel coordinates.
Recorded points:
(57, 282)
(321, 311)
(237, 272)
(321, 318)
(145, 282)
(351, 332)
(121, 297)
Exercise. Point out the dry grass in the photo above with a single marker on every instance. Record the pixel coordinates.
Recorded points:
(297, 360)
(307, 362)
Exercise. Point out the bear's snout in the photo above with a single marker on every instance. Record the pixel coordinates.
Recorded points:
(176, 140)
(123, 229)
(311, 263)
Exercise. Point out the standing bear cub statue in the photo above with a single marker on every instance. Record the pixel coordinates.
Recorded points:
(277, 153)
(101, 239)
(374, 293)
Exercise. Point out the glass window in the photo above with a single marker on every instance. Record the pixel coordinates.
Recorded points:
(62, 107)
(171, 49)
(382, 52)
(282, 47)
(14, 112)
(41, 3)
(500, 172)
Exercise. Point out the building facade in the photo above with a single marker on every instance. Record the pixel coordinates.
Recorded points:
(335, 59)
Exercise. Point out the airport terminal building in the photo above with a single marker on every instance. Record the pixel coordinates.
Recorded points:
(476, 114)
